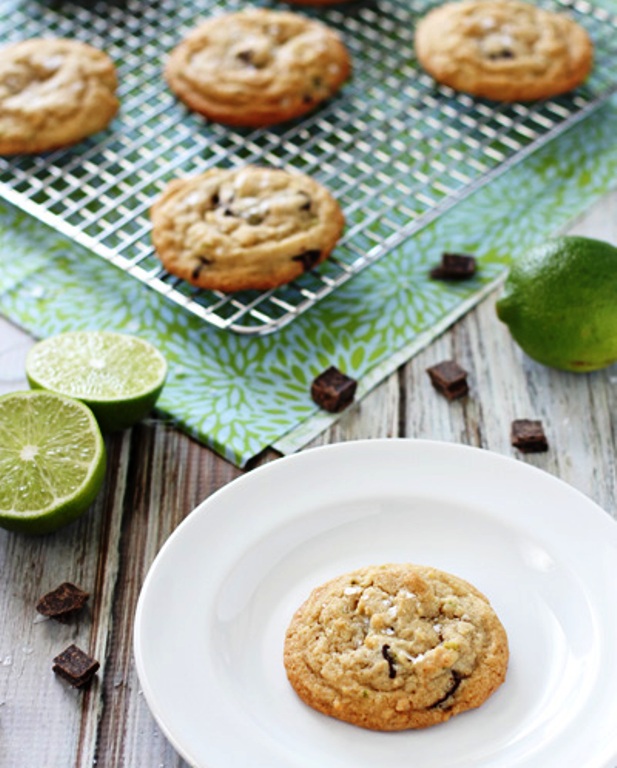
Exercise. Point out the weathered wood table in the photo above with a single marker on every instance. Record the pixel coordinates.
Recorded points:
(156, 476)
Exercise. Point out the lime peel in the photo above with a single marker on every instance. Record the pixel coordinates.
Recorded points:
(560, 303)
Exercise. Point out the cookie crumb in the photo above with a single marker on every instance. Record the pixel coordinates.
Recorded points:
(455, 266)
(528, 436)
(449, 379)
(63, 602)
(75, 666)
(333, 390)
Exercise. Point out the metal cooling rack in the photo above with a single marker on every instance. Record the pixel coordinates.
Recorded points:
(395, 149)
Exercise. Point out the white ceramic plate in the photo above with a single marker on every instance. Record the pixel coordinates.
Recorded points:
(212, 614)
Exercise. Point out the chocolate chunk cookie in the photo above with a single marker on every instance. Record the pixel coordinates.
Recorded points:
(53, 92)
(257, 67)
(238, 229)
(504, 50)
(395, 646)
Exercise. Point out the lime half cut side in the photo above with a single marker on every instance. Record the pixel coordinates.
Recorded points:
(119, 376)
(52, 461)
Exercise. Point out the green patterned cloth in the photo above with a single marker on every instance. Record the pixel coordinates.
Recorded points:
(240, 394)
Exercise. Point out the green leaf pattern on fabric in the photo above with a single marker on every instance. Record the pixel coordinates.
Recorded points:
(240, 394)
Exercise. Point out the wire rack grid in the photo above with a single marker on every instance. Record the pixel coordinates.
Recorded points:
(396, 149)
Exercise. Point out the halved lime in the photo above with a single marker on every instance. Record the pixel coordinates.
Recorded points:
(117, 375)
(52, 460)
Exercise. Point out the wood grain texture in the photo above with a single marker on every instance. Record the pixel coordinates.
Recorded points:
(157, 475)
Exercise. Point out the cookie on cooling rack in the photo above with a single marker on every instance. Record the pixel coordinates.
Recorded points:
(54, 92)
(257, 67)
(246, 228)
(503, 50)
(395, 646)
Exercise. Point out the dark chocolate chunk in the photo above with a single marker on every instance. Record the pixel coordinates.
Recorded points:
(308, 259)
(75, 666)
(332, 390)
(456, 681)
(385, 652)
(307, 202)
(253, 58)
(528, 436)
(506, 53)
(245, 56)
(449, 379)
(202, 261)
(454, 266)
(63, 602)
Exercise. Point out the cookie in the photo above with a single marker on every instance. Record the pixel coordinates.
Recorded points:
(257, 67)
(395, 646)
(246, 228)
(54, 92)
(503, 50)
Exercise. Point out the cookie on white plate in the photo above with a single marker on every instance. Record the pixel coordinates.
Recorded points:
(395, 646)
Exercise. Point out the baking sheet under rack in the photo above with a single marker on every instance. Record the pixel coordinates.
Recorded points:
(395, 149)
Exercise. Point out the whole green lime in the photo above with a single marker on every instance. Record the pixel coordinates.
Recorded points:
(560, 303)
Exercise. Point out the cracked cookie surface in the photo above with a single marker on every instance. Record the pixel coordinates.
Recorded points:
(54, 92)
(395, 646)
(257, 67)
(244, 228)
(503, 50)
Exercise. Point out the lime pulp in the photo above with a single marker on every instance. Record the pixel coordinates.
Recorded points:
(119, 376)
(52, 461)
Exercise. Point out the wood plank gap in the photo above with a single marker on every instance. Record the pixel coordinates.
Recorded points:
(108, 567)
(401, 427)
